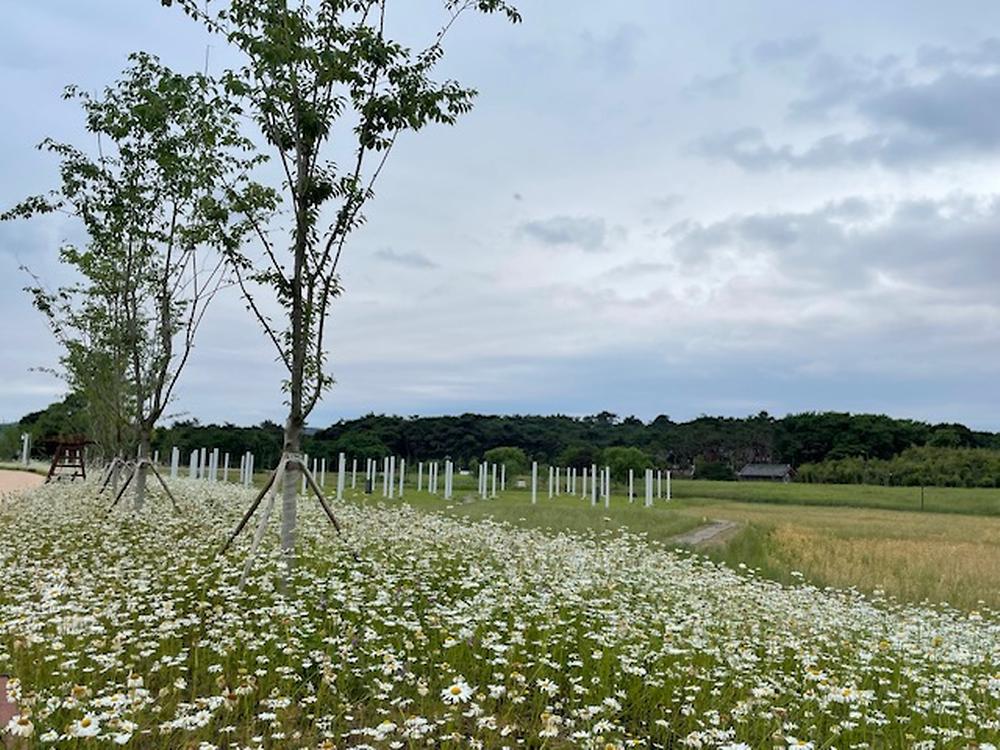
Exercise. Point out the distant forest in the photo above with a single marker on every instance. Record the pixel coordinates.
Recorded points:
(825, 447)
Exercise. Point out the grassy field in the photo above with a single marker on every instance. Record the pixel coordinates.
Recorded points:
(936, 499)
(913, 556)
(423, 629)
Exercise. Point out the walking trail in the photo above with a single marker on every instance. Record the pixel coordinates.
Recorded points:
(19, 480)
(712, 533)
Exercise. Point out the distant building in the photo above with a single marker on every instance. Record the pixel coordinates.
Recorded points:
(766, 473)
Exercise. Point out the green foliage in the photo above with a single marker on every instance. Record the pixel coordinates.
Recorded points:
(621, 460)
(579, 456)
(713, 470)
(66, 417)
(10, 442)
(928, 465)
(306, 68)
(515, 459)
(157, 196)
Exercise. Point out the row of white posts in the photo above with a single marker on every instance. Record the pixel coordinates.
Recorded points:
(600, 483)
(492, 478)
(204, 464)
(393, 475)
(488, 479)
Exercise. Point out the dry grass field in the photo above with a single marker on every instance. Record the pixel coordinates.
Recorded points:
(912, 556)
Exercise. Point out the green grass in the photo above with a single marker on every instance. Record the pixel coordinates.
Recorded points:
(834, 535)
(561, 514)
(34, 468)
(972, 501)
(871, 538)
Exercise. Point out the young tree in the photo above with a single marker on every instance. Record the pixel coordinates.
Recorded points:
(155, 203)
(313, 69)
(515, 459)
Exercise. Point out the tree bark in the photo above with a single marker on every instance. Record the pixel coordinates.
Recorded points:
(290, 490)
(140, 470)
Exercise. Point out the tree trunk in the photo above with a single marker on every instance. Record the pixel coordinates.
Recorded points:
(141, 469)
(290, 490)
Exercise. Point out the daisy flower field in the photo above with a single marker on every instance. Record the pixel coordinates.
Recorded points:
(128, 630)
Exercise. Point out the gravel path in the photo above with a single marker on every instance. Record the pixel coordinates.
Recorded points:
(711, 533)
(19, 480)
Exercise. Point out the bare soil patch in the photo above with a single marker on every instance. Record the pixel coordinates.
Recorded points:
(19, 480)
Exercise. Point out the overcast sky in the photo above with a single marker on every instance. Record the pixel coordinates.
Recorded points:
(657, 207)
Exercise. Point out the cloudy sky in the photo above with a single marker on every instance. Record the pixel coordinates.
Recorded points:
(656, 207)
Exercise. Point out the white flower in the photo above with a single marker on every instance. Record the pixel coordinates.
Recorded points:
(458, 692)
(20, 726)
(88, 726)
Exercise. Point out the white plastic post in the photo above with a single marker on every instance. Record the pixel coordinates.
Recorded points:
(25, 448)
(341, 475)
(607, 486)
(584, 483)
(225, 468)
(385, 477)
(494, 485)
(550, 482)
(392, 477)
(534, 482)
(593, 484)
(203, 464)
(175, 461)
(503, 477)
(156, 457)
(354, 473)
(659, 484)
(669, 496)
(402, 475)
(322, 473)
(631, 484)
(215, 464)
(558, 487)
(649, 488)
(193, 466)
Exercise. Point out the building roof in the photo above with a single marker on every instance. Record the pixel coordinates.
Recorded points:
(766, 470)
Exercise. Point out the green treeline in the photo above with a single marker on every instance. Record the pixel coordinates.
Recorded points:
(917, 466)
(826, 447)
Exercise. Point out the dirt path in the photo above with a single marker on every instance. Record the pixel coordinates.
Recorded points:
(19, 480)
(715, 532)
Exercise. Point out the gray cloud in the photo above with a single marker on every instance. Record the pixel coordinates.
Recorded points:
(775, 293)
(786, 49)
(410, 260)
(949, 245)
(722, 86)
(942, 107)
(613, 52)
(588, 233)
